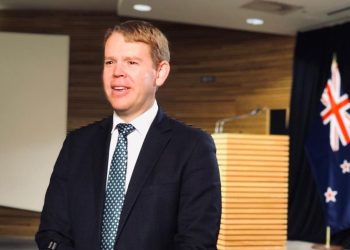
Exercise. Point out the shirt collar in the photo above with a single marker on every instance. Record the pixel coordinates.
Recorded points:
(142, 122)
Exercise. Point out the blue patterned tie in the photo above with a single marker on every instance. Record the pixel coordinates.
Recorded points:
(115, 188)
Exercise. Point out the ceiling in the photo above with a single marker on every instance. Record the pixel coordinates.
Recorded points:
(280, 16)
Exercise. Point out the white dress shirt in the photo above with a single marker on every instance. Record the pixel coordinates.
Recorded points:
(135, 139)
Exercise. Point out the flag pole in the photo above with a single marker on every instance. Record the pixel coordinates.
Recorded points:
(328, 237)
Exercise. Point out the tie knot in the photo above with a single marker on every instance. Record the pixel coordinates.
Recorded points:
(125, 128)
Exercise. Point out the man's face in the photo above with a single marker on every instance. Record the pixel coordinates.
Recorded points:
(130, 78)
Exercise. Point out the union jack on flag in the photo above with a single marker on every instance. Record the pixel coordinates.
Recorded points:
(330, 160)
(335, 112)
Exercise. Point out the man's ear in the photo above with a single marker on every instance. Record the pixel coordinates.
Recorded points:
(162, 72)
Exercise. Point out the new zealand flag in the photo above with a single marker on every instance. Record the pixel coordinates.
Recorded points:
(328, 150)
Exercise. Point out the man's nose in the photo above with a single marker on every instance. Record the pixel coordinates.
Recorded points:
(118, 70)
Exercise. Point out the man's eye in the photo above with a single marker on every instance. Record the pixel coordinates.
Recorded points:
(108, 62)
(132, 62)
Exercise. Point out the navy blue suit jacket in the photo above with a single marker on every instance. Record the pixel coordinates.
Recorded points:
(173, 200)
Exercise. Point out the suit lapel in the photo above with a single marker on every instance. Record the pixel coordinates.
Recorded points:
(155, 142)
(101, 151)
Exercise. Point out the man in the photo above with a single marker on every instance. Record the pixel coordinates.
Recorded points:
(154, 187)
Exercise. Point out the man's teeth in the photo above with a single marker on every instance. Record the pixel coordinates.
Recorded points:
(119, 88)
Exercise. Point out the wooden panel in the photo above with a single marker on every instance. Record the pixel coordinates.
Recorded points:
(16, 222)
(252, 70)
(254, 210)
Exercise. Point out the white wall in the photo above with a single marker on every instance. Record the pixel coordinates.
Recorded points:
(33, 111)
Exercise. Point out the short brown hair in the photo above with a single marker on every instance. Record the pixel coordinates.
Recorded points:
(141, 31)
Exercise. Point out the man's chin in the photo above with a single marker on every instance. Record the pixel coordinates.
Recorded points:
(120, 111)
(119, 107)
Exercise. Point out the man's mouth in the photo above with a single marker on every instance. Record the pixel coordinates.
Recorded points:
(118, 88)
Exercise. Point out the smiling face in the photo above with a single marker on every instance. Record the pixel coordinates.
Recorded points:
(130, 78)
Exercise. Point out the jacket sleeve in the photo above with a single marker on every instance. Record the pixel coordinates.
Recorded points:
(55, 222)
(200, 199)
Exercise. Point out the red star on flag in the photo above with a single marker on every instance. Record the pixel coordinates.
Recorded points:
(330, 195)
(345, 166)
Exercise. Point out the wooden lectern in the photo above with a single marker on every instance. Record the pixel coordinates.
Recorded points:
(254, 179)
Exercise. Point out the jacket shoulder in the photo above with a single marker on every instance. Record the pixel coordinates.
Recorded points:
(91, 128)
(188, 131)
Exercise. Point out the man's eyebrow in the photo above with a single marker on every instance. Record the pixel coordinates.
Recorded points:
(127, 58)
(133, 58)
(109, 58)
